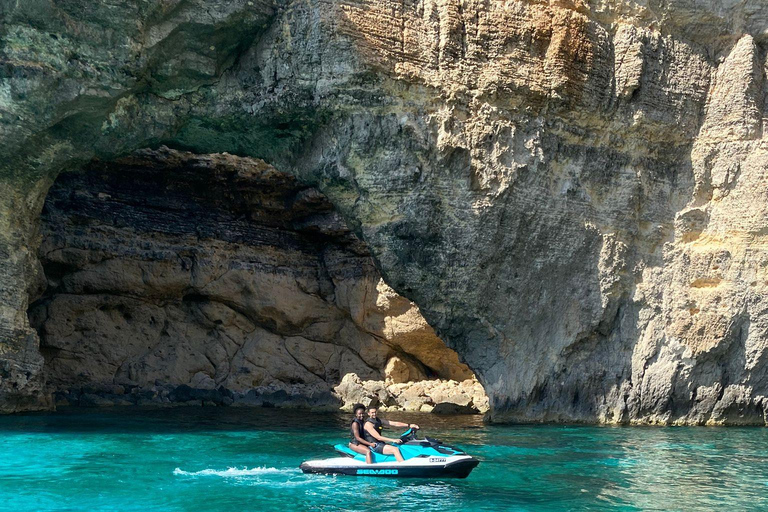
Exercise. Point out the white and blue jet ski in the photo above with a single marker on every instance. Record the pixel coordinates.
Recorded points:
(424, 458)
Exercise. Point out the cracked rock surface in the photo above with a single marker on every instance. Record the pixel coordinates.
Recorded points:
(168, 269)
(572, 192)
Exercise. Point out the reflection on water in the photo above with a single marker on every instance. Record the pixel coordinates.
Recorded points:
(243, 459)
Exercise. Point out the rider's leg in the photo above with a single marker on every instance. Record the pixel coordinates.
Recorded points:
(362, 450)
(393, 450)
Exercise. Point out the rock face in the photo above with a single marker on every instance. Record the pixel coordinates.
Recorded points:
(435, 396)
(573, 192)
(167, 269)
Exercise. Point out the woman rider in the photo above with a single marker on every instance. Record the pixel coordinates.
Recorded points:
(357, 443)
(377, 442)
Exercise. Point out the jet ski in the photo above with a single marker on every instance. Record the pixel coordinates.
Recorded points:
(424, 458)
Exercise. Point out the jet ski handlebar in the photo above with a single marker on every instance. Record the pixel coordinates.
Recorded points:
(408, 435)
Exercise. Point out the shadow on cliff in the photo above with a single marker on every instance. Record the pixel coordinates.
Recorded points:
(182, 278)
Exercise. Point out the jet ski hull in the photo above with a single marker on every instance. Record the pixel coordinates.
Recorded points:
(424, 458)
(432, 467)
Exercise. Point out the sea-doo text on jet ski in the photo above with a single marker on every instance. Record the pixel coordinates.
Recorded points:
(424, 458)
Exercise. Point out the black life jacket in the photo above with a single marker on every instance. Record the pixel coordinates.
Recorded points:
(377, 425)
(360, 430)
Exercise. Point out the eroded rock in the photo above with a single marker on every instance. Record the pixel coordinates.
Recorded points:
(439, 396)
(572, 192)
(217, 279)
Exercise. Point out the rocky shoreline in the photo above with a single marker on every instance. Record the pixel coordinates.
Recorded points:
(436, 396)
(186, 396)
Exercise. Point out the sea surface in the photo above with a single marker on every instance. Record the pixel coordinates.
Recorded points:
(226, 459)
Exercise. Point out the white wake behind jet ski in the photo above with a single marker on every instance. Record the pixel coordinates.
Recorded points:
(424, 458)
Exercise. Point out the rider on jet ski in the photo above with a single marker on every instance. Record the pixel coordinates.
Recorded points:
(377, 442)
(357, 443)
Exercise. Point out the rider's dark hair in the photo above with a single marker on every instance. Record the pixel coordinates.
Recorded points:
(356, 407)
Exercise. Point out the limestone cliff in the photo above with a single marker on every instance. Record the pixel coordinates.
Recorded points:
(572, 191)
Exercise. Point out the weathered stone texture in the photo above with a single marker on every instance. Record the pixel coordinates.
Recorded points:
(429, 395)
(168, 269)
(571, 191)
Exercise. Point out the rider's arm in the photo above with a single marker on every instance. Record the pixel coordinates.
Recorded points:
(390, 423)
(356, 431)
(371, 430)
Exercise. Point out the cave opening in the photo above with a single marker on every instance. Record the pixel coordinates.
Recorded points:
(219, 280)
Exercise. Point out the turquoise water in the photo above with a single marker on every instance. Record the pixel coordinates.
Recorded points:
(208, 460)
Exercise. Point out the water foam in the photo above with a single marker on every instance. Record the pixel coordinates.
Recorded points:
(233, 472)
